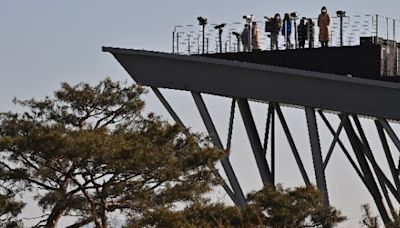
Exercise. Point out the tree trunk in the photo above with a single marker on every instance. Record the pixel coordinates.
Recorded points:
(55, 215)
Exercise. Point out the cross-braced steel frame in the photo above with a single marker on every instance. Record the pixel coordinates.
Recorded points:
(360, 154)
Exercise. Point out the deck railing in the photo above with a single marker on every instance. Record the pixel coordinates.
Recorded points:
(187, 39)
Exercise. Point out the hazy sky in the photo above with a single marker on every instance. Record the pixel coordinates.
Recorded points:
(46, 42)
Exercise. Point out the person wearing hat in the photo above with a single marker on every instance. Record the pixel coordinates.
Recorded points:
(324, 22)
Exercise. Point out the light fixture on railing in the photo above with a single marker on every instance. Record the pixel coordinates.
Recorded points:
(341, 14)
(202, 23)
(237, 35)
(220, 30)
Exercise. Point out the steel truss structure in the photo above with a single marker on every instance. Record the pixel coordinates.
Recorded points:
(316, 93)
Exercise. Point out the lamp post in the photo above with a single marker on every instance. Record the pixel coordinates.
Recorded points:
(249, 19)
(220, 30)
(202, 23)
(341, 14)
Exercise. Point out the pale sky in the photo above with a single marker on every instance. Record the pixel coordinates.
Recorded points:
(46, 42)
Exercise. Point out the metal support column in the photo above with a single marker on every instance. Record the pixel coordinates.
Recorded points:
(176, 118)
(370, 180)
(255, 142)
(273, 143)
(316, 154)
(270, 125)
(388, 154)
(240, 198)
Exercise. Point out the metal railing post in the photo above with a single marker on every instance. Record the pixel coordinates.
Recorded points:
(376, 27)
(173, 41)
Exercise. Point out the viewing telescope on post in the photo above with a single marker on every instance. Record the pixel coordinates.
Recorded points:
(220, 30)
(202, 23)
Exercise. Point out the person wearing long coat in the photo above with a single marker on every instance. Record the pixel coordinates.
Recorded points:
(256, 37)
(324, 22)
(287, 30)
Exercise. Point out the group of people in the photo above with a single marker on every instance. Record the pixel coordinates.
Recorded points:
(252, 37)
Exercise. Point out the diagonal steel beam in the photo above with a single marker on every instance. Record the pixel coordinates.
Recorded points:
(167, 106)
(316, 154)
(267, 127)
(255, 142)
(345, 151)
(176, 118)
(388, 154)
(390, 132)
(226, 164)
(332, 146)
(230, 128)
(370, 180)
(383, 180)
(292, 145)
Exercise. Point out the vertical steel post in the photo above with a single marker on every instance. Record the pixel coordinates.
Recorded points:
(173, 41)
(203, 34)
(387, 28)
(295, 33)
(341, 30)
(255, 142)
(207, 43)
(212, 131)
(376, 28)
(220, 40)
(273, 144)
(177, 42)
(198, 44)
(188, 44)
(316, 154)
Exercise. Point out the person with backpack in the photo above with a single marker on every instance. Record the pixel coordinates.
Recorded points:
(274, 26)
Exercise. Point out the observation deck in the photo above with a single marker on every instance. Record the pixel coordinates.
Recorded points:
(252, 75)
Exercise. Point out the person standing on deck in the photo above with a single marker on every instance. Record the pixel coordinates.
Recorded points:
(324, 22)
(256, 39)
